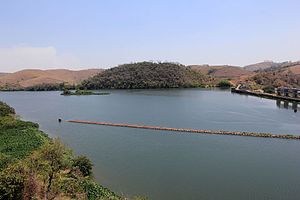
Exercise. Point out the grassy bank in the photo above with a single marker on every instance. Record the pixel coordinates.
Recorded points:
(34, 166)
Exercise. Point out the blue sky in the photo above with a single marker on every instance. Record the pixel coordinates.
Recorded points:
(87, 34)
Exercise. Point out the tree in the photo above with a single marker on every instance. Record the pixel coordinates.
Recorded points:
(12, 181)
(269, 89)
(84, 164)
(5, 109)
(58, 158)
(224, 84)
(66, 92)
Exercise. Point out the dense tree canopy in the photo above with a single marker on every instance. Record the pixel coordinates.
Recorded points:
(146, 75)
(224, 84)
(84, 165)
(5, 109)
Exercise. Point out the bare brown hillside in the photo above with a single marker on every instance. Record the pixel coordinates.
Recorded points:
(262, 65)
(32, 77)
(287, 75)
(221, 71)
(3, 74)
(295, 69)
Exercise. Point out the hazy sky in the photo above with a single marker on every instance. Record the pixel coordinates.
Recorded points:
(103, 33)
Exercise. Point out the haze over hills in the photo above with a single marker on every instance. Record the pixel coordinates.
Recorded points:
(157, 75)
(263, 65)
(3, 74)
(32, 77)
(286, 74)
(221, 71)
(165, 75)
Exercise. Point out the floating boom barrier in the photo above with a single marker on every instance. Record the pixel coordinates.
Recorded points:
(183, 130)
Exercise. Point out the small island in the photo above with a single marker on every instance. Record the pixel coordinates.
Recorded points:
(79, 92)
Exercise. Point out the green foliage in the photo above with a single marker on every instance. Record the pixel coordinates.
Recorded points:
(269, 89)
(79, 92)
(66, 92)
(56, 154)
(224, 84)
(39, 87)
(32, 166)
(95, 191)
(84, 164)
(6, 109)
(146, 75)
(4, 160)
(12, 183)
(18, 139)
(56, 158)
(49, 172)
(9, 122)
(45, 87)
(83, 92)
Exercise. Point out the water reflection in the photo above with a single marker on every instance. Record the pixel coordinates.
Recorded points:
(287, 105)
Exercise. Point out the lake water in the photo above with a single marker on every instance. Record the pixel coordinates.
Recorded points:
(172, 165)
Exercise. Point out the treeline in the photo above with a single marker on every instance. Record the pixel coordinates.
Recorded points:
(50, 87)
(33, 166)
(144, 75)
(40, 87)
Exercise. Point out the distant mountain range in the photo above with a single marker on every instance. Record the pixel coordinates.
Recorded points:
(286, 74)
(158, 75)
(31, 77)
(265, 65)
(3, 74)
(221, 71)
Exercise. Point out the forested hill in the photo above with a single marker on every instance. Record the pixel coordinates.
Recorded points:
(144, 75)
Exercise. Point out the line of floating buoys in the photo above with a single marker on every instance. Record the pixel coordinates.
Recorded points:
(218, 132)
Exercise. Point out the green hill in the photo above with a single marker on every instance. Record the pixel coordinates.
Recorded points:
(144, 75)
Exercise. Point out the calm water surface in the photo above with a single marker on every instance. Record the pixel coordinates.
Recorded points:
(167, 165)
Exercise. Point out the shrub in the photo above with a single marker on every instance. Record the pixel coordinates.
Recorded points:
(84, 164)
(6, 109)
(8, 122)
(224, 84)
(269, 89)
(66, 92)
(95, 191)
(12, 183)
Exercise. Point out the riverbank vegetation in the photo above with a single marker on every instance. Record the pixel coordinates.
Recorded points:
(40, 87)
(224, 84)
(79, 92)
(33, 166)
